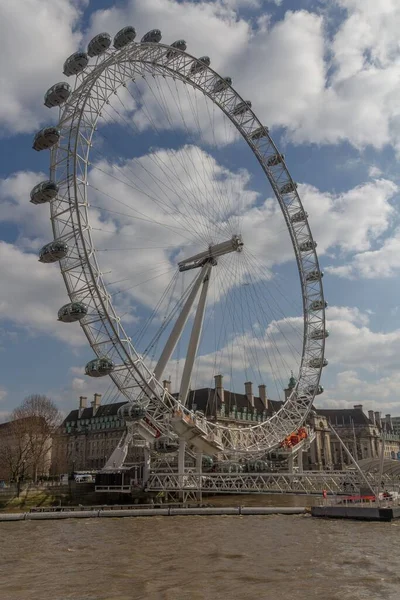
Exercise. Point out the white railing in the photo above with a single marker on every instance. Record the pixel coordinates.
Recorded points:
(308, 482)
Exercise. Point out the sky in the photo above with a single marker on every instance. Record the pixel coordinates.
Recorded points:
(325, 77)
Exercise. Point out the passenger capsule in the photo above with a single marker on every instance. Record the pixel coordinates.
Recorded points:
(131, 412)
(241, 108)
(317, 363)
(308, 246)
(259, 133)
(318, 305)
(314, 275)
(99, 44)
(57, 94)
(275, 160)
(153, 36)
(319, 334)
(46, 138)
(99, 367)
(43, 192)
(166, 445)
(221, 85)
(179, 45)
(315, 391)
(299, 216)
(207, 461)
(202, 63)
(75, 63)
(53, 252)
(75, 311)
(125, 36)
(288, 187)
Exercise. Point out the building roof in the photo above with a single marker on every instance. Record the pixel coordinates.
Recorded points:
(204, 399)
(87, 413)
(345, 416)
(208, 400)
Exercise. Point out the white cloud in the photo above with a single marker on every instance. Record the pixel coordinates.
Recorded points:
(322, 90)
(36, 37)
(3, 394)
(374, 171)
(32, 293)
(351, 388)
(373, 264)
(352, 219)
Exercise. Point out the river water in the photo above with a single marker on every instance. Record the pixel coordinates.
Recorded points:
(199, 558)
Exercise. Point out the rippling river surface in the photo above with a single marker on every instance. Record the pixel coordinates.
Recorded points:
(196, 558)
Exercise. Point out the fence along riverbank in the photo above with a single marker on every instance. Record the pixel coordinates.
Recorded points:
(151, 512)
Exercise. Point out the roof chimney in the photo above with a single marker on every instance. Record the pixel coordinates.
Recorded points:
(371, 416)
(167, 385)
(262, 390)
(388, 422)
(96, 403)
(219, 388)
(358, 406)
(82, 405)
(248, 386)
(378, 421)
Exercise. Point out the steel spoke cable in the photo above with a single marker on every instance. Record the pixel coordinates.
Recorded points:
(156, 159)
(268, 335)
(155, 128)
(141, 283)
(160, 201)
(266, 285)
(201, 154)
(194, 170)
(256, 302)
(144, 217)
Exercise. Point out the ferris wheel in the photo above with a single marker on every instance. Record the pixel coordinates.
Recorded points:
(159, 204)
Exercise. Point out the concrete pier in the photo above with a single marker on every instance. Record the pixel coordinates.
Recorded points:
(153, 512)
(358, 513)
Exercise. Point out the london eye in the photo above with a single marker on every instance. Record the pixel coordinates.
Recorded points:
(182, 241)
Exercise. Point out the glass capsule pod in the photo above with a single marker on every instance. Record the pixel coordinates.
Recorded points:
(318, 305)
(72, 312)
(75, 63)
(317, 363)
(241, 108)
(318, 391)
(259, 133)
(308, 246)
(99, 367)
(314, 275)
(319, 334)
(179, 45)
(132, 412)
(221, 85)
(153, 36)
(299, 216)
(288, 187)
(275, 160)
(125, 36)
(43, 192)
(99, 44)
(46, 138)
(165, 445)
(57, 94)
(207, 462)
(53, 252)
(202, 63)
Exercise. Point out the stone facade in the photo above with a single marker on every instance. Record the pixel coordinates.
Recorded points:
(90, 434)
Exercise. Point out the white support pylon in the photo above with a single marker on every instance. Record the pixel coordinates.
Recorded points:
(179, 325)
(195, 337)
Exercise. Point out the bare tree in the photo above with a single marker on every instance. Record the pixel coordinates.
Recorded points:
(15, 451)
(26, 440)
